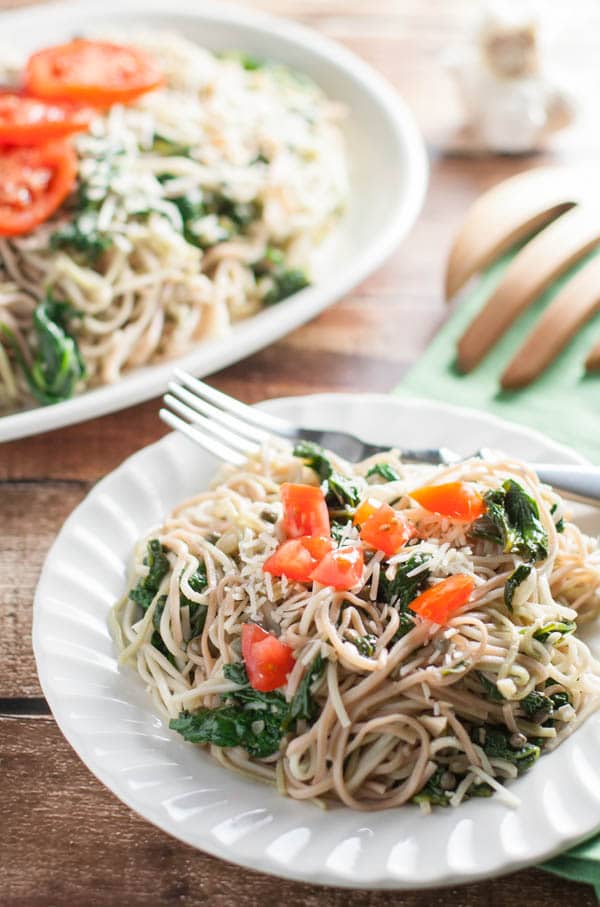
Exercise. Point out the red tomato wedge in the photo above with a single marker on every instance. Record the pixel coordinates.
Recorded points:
(386, 530)
(443, 600)
(365, 510)
(33, 183)
(268, 661)
(92, 72)
(454, 499)
(304, 510)
(31, 121)
(297, 558)
(341, 568)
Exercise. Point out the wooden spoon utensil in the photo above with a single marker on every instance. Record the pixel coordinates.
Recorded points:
(553, 204)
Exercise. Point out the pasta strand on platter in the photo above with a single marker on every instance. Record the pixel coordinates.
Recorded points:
(195, 207)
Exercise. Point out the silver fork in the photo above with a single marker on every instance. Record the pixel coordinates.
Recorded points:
(231, 431)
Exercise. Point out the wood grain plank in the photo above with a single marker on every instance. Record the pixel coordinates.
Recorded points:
(31, 514)
(85, 849)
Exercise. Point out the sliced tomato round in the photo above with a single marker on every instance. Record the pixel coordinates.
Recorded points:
(387, 530)
(33, 184)
(341, 568)
(297, 558)
(453, 499)
(92, 72)
(442, 601)
(304, 510)
(32, 121)
(268, 661)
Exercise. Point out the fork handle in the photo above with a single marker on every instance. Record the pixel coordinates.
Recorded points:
(580, 483)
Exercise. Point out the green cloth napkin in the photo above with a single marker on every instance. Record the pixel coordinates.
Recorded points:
(564, 403)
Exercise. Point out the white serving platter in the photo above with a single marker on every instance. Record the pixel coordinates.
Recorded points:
(387, 163)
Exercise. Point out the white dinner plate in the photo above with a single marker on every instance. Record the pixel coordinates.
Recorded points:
(105, 714)
(387, 163)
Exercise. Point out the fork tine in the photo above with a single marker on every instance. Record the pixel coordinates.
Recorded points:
(230, 405)
(530, 273)
(235, 441)
(504, 215)
(212, 412)
(211, 445)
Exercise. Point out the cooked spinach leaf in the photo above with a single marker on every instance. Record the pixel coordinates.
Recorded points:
(513, 521)
(83, 236)
(338, 530)
(538, 705)
(253, 720)
(407, 623)
(57, 365)
(560, 699)
(242, 214)
(480, 790)
(190, 206)
(384, 471)
(158, 564)
(258, 732)
(314, 457)
(339, 490)
(366, 644)
(497, 745)
(432, 792)
(403, 589)
(559, 524)
(564, 627)
(286, 281)
(249, 718)
(246, 61)
(491, 691)
(198, 582)
(156, 639)
(515, 579)
(303, 705)
(158, 611)
(272, 259)
(169, 147)
(250, 63)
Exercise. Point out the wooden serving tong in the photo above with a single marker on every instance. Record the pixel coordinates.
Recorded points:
(552, 203)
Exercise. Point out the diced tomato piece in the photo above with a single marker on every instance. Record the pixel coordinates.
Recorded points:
(387, 530)
(442, 601)
(292, 559)
(32, 121)
(318, 545)
(341, 568)
(304, 510)
(33, 184)
(454, 499)
(297, 558)
(92, 72)
(268, 661)
(364, 510)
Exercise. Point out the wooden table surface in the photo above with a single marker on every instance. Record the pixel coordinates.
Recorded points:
(64, 839)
